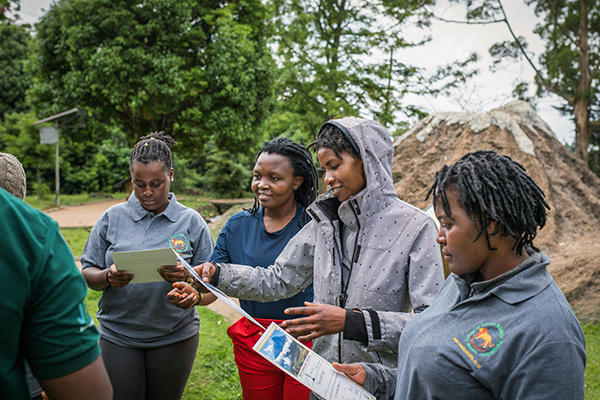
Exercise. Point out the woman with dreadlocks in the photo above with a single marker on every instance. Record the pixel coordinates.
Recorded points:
(284, 183)
(372, 257)
(148, 345)
(500, 328)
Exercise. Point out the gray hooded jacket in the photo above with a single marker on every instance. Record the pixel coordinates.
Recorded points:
(396, 262)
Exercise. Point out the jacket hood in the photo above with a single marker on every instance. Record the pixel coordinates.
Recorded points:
(373, 142)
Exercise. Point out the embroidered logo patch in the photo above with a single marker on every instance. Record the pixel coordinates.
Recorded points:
(179, 242)
(485, 339)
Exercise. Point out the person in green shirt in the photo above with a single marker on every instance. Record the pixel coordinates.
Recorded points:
(42, 309)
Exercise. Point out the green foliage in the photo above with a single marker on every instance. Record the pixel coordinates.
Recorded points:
(188, 174)
(228, 175)
(196, 70)
(85, 166)
(14, 80)
(521, 91)
(594, 160)
(20, 138)
(89, 167)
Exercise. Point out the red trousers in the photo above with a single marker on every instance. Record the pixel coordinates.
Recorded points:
(260, 379)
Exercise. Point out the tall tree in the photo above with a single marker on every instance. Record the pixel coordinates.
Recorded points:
(14, 79)
(338, 58)
(570, 63)
(198, 70)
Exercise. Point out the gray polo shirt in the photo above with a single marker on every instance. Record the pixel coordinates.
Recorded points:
(512, 337)
(140, 315)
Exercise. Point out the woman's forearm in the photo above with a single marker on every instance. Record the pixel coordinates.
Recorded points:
(96, 278)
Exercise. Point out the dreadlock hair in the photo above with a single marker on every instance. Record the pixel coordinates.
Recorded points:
(493, 186)
(155, 147)
(302, 164)
(332, 137)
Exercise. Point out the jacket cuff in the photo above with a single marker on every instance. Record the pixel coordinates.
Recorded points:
(215, 278)
(356, 328)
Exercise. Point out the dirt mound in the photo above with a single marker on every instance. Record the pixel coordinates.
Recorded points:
(571, 237)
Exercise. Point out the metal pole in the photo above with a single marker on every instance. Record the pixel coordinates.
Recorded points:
(57, 173)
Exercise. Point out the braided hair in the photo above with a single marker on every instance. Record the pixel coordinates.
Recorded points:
(494, 186)
(155, 147)
(331, 137)
(302, 165)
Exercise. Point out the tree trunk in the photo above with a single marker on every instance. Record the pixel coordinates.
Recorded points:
(39, 182)
(582, 129)
(580, 109)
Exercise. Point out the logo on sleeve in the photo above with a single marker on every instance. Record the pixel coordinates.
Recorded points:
(83, 319)
(485, 339)
(179, 242)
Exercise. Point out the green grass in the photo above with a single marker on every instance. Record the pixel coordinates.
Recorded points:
(592, 370)
(76, 238)
(214, 375)
(49, 201)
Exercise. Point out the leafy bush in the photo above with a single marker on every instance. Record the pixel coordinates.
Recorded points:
(228, 175)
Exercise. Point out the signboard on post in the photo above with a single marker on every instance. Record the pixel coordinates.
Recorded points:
(48, 135)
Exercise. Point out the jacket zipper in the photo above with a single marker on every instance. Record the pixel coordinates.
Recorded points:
(355, 256)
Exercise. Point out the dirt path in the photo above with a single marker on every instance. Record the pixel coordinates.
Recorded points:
(85, 215)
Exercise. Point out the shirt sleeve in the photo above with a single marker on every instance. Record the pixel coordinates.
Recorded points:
(380, 381)
(202, 242)
(424, 276)
(291, 273)
(59, 336)
(94, 252)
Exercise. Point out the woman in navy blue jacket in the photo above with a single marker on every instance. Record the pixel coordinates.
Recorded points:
(284, 183)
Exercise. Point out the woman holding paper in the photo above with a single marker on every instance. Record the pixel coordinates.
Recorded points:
(284, 183)
(148, 345)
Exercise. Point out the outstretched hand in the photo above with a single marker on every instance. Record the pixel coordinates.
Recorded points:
(356, 372)
(183, 295)
(322, 319)
(206, 272)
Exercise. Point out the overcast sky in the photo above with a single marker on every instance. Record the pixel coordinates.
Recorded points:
(455, 42)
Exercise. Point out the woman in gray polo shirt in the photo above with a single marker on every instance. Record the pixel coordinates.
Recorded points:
(148, 344)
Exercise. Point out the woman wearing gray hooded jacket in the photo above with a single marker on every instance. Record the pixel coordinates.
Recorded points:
(372, 257)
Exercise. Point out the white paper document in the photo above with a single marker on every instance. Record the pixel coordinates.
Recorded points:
(144, 264)
(309, 368)
(220, 295)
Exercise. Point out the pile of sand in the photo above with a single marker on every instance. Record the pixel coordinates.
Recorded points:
(572, 235)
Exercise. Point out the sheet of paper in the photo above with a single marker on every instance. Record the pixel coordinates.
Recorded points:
(309, 368)
(144, 264)
(220, 295)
